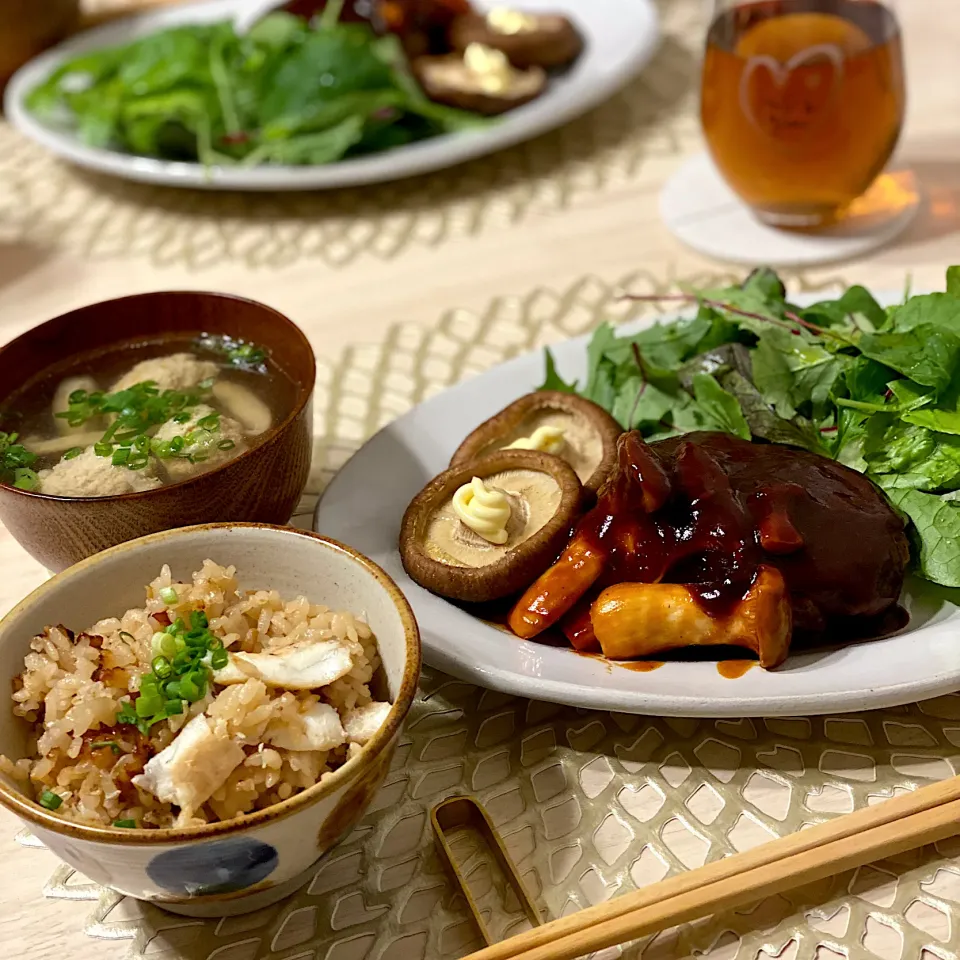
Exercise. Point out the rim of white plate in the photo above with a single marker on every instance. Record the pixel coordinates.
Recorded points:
(611, 58)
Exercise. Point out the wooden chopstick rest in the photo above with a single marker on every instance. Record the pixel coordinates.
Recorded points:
(462, 812)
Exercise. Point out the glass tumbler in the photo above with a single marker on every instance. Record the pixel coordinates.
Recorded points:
(802, 102)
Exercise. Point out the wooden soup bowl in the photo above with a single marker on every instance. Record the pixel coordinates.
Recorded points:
(28, 27)
(261, 485)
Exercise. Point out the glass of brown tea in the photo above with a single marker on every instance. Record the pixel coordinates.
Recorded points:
(802, 102)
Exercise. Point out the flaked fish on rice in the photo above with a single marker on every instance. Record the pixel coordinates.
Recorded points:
(271, 696)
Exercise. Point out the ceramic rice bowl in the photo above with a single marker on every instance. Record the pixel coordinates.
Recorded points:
(243, 864)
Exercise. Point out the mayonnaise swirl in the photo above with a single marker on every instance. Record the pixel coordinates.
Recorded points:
(490, 67)
(545, 439)
(506, 21)
(485, 510)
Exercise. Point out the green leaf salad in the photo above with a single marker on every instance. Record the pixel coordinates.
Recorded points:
(286, 92)
(876, 388)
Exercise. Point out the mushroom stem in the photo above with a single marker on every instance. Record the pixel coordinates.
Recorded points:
(640, 619)
(557, 590)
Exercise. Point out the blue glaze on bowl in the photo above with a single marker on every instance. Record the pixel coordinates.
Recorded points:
(224, 866)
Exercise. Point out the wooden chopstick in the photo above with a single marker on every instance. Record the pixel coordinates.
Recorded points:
(903, 823)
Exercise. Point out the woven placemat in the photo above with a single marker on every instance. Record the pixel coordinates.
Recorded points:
(51, 204)
(592, 804)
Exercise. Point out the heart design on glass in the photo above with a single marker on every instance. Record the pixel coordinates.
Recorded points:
(794, 102)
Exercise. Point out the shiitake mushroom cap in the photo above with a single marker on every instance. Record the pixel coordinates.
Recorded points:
(555, 42)
(505, 423)
(527, 86)
(518, 567)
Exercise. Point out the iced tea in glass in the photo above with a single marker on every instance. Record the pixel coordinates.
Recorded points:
(802, 102)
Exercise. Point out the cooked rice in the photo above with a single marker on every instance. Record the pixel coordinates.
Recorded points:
(73, 686)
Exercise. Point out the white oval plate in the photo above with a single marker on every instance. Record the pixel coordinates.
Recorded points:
(363, 507)
(620, 38)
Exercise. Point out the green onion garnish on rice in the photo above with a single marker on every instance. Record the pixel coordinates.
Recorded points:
(50, 800)
(169, 596)
(126, 713)
(126, 824)
(102, 744)
(181, 670)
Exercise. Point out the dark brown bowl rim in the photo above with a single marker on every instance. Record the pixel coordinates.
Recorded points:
(33, 813)
(304, 393)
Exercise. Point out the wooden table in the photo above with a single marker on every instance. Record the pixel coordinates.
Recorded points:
(607, 232)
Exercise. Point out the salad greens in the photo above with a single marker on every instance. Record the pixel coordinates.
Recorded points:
(876, 388)
(286, 92)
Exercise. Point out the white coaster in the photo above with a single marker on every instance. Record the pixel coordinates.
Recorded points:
(702, 211)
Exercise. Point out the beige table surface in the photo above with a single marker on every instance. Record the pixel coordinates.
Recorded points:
(498, 236)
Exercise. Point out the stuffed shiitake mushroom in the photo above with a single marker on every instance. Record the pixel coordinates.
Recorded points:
(480, 79)
(484, 530)
(545, 40)
(562, 424)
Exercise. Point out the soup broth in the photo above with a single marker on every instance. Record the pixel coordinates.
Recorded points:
(141, 414)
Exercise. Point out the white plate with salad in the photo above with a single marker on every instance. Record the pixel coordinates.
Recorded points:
(186, 97)
(866, 384)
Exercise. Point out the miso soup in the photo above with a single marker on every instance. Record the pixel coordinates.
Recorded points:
(141, 414)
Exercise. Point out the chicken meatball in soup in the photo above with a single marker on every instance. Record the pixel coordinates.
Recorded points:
(139, 415)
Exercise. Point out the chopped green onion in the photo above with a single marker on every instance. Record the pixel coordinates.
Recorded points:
(120, 456)
(181, 418)
(78, 396)
(138, 463)
(126, 713)
(125, 824)
(210, 422)
(219, 659)
(177, 444)
(172, 690)
(73, 452)
(227, 444)
(161, 667)
(101, 744)
(173, 707)
(169, 596)
(103, 449)
(25, 479)
(189, 690)
(147, 706)
(246, 353)
(50, 800)
(198, 620)
(182, 661)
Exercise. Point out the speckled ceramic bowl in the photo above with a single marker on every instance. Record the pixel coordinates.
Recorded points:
(251, 861)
